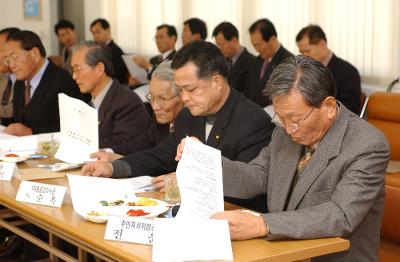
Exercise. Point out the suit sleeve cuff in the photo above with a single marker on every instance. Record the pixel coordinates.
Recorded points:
(121, 169)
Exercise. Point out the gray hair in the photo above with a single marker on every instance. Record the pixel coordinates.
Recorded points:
(164, 72)
(310, 77)
(97, 53)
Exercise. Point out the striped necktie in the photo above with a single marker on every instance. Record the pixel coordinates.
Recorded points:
(305, 159)
(27, 96)
(7, 93)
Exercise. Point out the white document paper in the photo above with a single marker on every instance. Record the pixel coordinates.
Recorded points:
(199, 176)
(79, 130)
(130, 229)
(8, 170)
(19, 143)
(142, 91)
(186, 240)
(136, 71)
(41, 194)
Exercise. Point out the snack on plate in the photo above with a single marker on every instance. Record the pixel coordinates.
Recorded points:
(136, 213)
(111, 203)
(11, 155)
(96, 214)
(145, 201)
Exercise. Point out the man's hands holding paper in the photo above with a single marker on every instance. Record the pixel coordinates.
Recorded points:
(159, 181)
(105, 156)
(179, 150)
(97, 168)
(243, 225)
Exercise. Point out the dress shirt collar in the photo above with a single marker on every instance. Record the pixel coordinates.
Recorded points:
(12, 77)
(36, 78)
(328, 59)
(166, 54)
(276, 51)
(100, 97)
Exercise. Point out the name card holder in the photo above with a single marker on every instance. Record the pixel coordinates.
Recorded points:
(8, 170)
(41, 194)
(129, 229)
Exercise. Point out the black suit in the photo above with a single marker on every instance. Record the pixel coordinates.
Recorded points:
(156, 60)
(120, 70)
(148, 139)
(240, 72)
(41, 113)
(241, 129)
(348, 83)
(256, 84)
(122, 116)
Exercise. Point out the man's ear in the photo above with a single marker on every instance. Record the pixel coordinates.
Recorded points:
(330, 104)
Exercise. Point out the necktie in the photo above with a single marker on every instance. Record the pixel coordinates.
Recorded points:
(230, 63)
(7, 93)
(305, 159)
(263, 69)
(27, 92)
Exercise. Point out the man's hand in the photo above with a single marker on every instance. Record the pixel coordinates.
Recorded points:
(105, 156)
(133, 81)
(243, 225)
(142, 62)
(97, 169)
(179, 150)
(159, 182)
(18, 129)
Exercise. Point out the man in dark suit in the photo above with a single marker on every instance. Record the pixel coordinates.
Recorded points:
(264, 39)
(101, 32)
(311, 41)
(166, 37)
(238, 58)
(40, 81)
(214, 113)
(324, 170)
(122, 115)
(194, 29)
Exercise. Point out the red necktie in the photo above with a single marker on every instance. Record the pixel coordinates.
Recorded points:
(27, 92)
(263, 69)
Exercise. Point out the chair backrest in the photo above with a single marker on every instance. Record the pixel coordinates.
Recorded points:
(391, 214)
(383, 112)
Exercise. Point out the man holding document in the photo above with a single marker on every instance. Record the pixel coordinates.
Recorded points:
(323, 170)
(215, 113)
(122, 115)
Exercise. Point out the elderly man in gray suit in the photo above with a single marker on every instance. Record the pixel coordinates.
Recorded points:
(337, 190)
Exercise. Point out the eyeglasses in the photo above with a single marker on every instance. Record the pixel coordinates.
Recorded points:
(76, 69)
(290, 127)
(160, 100)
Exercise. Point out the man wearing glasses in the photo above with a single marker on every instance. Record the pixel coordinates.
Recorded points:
(323, 170)
(214, 113)
(122, 115)
(35, 96)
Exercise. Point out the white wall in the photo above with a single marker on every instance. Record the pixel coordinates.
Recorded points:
(12, 14)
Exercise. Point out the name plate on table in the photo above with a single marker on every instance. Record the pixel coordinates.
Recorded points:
(41, 194)
(8, 170)
(129, 229)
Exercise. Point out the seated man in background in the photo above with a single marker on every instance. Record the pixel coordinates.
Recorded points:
(194, 29)
(35, 98)
(67, 36)
(311, 41)
(7, 79)
(122, 115)
(238, 58)
(264, 39)
(323, 171)
(214, 113)
(165, 40)
(101, 32)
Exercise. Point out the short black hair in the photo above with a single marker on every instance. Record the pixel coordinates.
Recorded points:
(63, 24)
(171, 30)
(227, 29)
(266, 28)
(28, 41)
(314, 34)
(197, 25)
(205, 55)
(9, 31)
(103, 23)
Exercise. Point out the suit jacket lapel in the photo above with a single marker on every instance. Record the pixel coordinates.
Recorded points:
(222, 120)
(283, 181)
(107, 102)
(328, 148)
